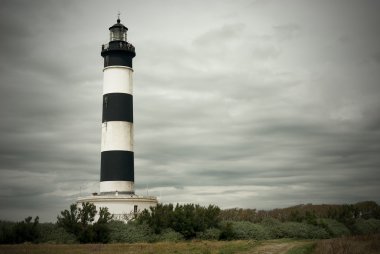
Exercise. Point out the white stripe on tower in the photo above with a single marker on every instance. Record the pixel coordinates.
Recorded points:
(118, 79)
(117, 135)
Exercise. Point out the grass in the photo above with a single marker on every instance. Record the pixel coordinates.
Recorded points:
(345, 245)
(304, 249)
(197, 247)
(369, 244)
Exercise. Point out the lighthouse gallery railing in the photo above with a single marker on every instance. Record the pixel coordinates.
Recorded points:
(118, 45)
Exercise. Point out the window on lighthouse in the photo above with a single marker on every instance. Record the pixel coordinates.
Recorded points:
(118, 34)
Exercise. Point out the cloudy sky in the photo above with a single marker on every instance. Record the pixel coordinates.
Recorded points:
(254, 104)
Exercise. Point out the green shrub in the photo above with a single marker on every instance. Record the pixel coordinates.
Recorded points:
(334, 227)
(187, 219)
(303, 231)
(248, 230)
(130, 232)
(25, 231)
(227, 232)
(6, 231)
(273, 227)
(51, 233)
(210, 234)
(370, 226)
(169, 235)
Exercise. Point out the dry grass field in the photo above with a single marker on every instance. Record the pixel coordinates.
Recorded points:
(349, 245)
(344, 245)
(197, 247)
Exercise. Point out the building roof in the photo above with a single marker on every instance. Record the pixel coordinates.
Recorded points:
(118, 25)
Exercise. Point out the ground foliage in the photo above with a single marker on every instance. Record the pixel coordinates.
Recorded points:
(173, 223)
(79, 221)
(52, 233)
(23, 231)
(244, 230)
(303, 231)
(366, 227)
(210, 234)
(302, 222)
(368, 244)
(188, 219)
(303, 249)
(131, 232)
(183, 247)
(334, 227)
(346, 214)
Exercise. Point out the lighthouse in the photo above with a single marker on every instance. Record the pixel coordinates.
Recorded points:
(117, 157)
(117, 177)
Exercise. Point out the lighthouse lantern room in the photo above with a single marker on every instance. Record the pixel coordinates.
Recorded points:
(118, 32)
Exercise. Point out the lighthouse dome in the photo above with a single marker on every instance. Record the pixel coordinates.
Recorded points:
(118, 25)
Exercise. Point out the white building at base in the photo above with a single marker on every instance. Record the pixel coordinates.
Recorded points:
(122, 207)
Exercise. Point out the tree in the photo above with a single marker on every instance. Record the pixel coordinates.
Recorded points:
(70, 220)
(26, 231)
(187, 219)
(80, 222)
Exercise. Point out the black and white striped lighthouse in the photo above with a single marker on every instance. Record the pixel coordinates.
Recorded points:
(117, 157)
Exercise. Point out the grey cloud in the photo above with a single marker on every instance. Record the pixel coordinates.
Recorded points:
(248, 105)
(376, 57)
(287, 31)
(216, 37)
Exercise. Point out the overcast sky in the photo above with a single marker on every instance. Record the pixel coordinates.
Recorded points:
(253, 104)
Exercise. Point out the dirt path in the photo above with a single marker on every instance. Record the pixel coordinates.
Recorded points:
(275, 247)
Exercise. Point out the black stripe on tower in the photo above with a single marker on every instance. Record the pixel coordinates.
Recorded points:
(117, 166)
(117, 107)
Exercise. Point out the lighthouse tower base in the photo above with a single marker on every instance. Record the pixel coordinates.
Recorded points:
(122, 207)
